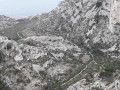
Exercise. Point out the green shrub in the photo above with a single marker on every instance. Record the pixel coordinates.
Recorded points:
(96, 88)
(97, 52)
(28, 81)
(108, 71)
(20, 80)
(98, 4)
(16, 38)
(3, 86)
(9, 46)
(2, 56)
(16, 71)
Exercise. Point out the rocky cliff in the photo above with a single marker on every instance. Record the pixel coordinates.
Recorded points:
(76, 46)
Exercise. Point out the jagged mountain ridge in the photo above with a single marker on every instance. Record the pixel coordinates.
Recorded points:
(64, 46)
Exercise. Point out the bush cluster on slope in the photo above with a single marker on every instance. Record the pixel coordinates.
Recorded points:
(2, 56)
(3, 86)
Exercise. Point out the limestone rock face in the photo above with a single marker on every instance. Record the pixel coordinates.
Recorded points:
(76, 46)
(93, 21)
(34, 59)
(6, 22)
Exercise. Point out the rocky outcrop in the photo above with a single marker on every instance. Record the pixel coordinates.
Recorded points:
(30, 61)
(6, 22)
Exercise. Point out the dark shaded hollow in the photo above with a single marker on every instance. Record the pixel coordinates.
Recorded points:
(98, 4)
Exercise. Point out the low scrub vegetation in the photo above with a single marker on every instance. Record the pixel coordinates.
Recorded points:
(2, 56)
(3, 86)
(96, 88)
(108, 71)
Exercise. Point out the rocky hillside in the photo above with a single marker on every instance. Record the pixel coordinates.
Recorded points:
(76, 46)
(6, 22)
(93, 22)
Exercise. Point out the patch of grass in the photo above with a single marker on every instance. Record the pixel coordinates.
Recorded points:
(108, 71)
(96, 88)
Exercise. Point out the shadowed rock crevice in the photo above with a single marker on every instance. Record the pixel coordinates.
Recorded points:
(99, 4)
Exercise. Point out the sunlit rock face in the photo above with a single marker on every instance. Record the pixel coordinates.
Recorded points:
(114, 14)
(115, 10)
(97, 21)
